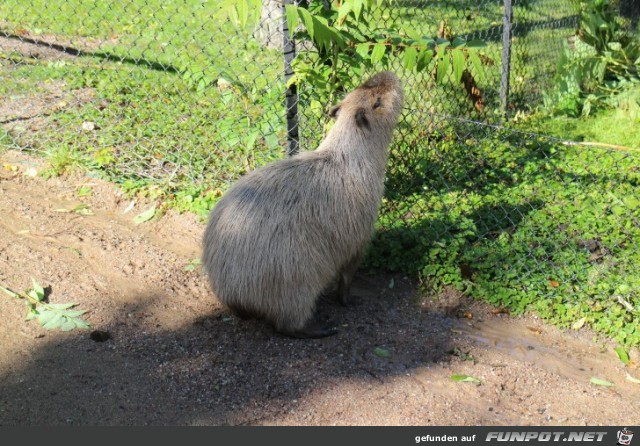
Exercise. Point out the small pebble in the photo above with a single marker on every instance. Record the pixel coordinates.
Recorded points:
(100, 336)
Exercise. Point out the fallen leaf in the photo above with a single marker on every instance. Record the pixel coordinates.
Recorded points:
(554, 283)
(622, 355)
(82, 209)
(501, 310)
(381, 352)
(632, 379)
(145, 216)
(465, 379)
(577, 325)
(601, 382)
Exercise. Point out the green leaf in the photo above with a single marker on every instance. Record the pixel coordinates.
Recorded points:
(423, 59)
(631, 202)
(50, 320)
(62, 306)
(476, 43)
(238, 10)
(362, 50)
(458, 64)
(381, 352)
(67, 324)
(74, 313)
(192, 264)
(443, 65)
(145, 216)
(84, 191)
(378, 53)
(601, 382)
(357, 8)
(291, 12)
(458, 42)
(410, 58)
(82, 209)
(71, 323)
(622, 355)
(465, 379)
(38, 291)
(344, 10)
(243, 12)
(478, 69)
(307, 20)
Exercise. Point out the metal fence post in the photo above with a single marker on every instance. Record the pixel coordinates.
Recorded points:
(291, 100)
(506, 56)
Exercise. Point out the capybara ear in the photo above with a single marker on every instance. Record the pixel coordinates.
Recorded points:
(335, 110)
(361, 119)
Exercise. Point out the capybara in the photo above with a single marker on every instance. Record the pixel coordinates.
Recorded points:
(283, 233)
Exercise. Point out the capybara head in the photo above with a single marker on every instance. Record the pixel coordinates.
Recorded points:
(375, 104)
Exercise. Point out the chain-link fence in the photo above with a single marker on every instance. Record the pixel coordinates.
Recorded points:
(173, 95)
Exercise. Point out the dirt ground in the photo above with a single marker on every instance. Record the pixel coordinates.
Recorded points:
(177, 357)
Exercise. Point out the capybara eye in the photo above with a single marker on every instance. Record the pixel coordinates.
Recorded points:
(378, 103)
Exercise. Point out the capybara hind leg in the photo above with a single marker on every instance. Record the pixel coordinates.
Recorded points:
(312, 330)
(345, 280)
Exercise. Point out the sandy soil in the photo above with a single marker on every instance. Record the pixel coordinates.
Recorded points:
(177, 357)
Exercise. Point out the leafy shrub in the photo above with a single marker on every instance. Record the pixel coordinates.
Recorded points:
(599, 62)
(518, 220)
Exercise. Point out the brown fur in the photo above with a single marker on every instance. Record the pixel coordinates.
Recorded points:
(284, 232)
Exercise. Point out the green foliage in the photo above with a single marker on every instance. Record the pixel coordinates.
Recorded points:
(349, 39)
(5, 140)
(619, 123)
(63, 159)
(240, 11)
(182, 100)
(602, 61)
(518, 220)
(183, 105)
(50, 316)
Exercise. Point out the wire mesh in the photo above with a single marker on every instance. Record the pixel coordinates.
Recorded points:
(151, 93)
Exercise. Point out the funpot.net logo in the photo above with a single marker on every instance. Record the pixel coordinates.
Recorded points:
(548, 436)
